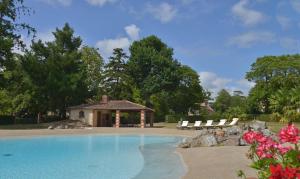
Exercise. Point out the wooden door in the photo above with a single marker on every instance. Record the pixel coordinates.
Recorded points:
(99, 121)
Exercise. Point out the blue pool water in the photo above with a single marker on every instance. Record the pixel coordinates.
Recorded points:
(91, 156)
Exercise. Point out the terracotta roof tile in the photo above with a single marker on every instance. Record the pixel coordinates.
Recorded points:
(113, 105)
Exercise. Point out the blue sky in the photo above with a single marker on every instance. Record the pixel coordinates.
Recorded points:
(218, 39)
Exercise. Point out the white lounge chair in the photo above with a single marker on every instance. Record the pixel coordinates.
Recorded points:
(196, 125)
(183, 125)
(233, 122)
(209, 123)
(221, 123)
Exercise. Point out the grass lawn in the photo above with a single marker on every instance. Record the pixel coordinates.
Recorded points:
(276, 126)
(24, 126)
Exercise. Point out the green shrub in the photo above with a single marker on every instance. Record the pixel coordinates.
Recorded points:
(47, 119)
(6, 120)
(174, 118)
(26, 120)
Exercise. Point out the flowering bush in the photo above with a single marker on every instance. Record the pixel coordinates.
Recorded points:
(275, 158)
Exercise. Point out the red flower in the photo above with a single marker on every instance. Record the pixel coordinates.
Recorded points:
(277, 172)
(290, 173)
(289, 134)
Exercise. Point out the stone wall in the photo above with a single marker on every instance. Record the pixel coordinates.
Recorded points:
(88, 115)
(226, 136)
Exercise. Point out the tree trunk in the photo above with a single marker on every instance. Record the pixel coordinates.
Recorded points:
(38, 118)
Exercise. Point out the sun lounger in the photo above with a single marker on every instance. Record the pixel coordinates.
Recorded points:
(221, 123)
(209, 123)
(233, 122)
(196, 125)
(183, 125)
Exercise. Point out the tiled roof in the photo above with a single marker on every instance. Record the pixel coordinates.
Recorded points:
(113, 105)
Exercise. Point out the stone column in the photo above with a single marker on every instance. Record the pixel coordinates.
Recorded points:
(95, 118)
(117, 118)
(142, 118)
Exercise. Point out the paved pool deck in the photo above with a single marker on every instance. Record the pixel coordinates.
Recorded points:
(202, 163)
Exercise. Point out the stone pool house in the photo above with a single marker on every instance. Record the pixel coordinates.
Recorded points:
(101, 114)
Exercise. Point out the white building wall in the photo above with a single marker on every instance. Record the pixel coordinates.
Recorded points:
(88, 115)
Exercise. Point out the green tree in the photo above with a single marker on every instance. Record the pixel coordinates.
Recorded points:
(223, 101)
(15, 97)
(10, 26)
(189, 91)
(93, 69)
(117, 82)
(152, 67)
(238, 99)
(271, 73)
(55, 72)
(10, 72)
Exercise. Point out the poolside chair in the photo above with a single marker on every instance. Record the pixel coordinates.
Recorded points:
(209, 123)
(233, 122)
(183, 125)
(196, 125)
(221, 123)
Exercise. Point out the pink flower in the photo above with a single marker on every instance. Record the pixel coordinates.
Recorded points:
(289, 134)
(283, 150)
(266, 148)
(261, 138)
(250, 137)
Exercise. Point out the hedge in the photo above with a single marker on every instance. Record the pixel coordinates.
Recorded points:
(216, 117)
(6, 120)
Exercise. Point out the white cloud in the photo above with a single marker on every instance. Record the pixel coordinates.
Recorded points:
(106, 46)
(164, 12)
(245, 85)
(45, 36)
(59, 2)
(132, 31)
(296, 5)
(214, 83)
(249, 39)
(248, 16)
(284, 22)
(289, 43)
(100, 2)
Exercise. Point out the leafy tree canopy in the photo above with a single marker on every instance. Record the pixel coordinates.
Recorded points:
(10, 11)
(118, 83)
(270, 74)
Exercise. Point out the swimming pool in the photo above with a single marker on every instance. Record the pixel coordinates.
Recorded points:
(90, 156)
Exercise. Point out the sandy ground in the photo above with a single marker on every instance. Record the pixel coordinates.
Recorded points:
(202, 163)
(216, 162)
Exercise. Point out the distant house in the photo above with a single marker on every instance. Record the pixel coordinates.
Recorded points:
(100, 114)
(205, 105)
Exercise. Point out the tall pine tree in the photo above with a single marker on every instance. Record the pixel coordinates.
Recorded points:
(117, 81)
